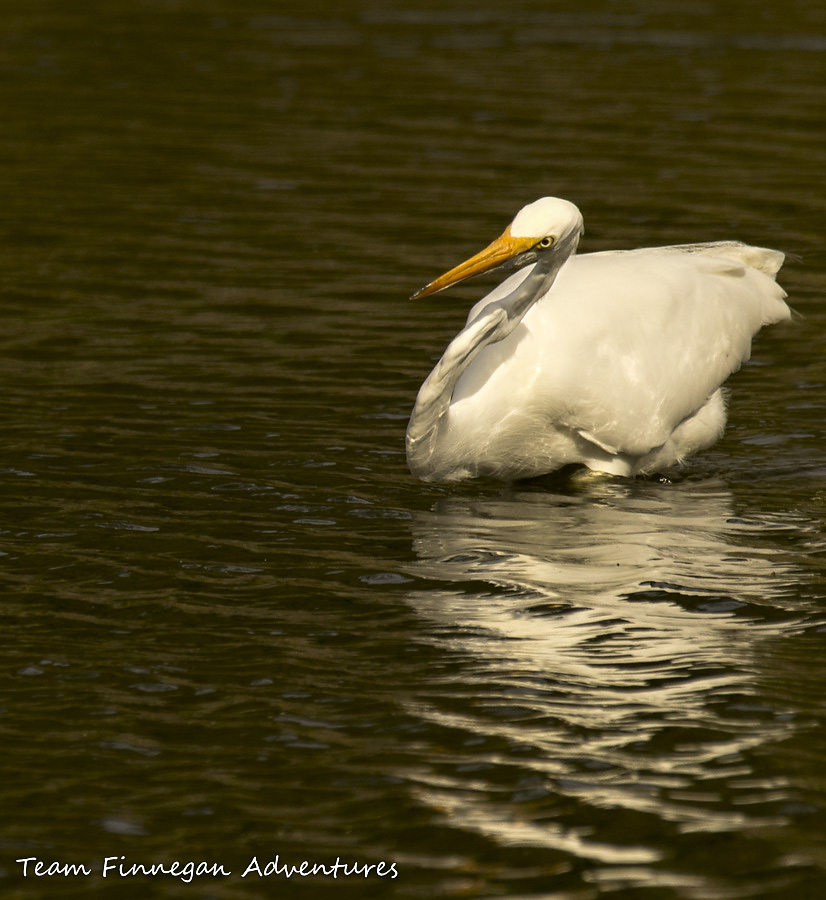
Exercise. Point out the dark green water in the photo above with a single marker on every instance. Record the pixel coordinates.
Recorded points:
(235, 626)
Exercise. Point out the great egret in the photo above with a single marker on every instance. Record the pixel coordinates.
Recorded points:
(614, 360)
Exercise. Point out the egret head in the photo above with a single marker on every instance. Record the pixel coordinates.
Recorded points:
(548, 228)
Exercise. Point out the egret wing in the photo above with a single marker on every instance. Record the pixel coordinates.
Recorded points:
(632, 343)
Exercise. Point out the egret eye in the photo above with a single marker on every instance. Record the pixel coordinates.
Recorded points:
(547, 241)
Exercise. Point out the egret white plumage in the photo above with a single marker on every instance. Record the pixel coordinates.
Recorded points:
(614, 360)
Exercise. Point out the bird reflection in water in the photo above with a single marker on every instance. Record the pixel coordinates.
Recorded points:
(610, 638)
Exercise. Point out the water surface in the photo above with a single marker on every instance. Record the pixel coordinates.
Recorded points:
(236, 626)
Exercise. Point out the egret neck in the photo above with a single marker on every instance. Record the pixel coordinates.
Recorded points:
(493, 323)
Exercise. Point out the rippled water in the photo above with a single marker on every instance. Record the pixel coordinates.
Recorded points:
(235, 626)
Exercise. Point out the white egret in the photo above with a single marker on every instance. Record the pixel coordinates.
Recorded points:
(613, 360)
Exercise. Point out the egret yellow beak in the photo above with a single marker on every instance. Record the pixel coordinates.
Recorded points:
(500, 251)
